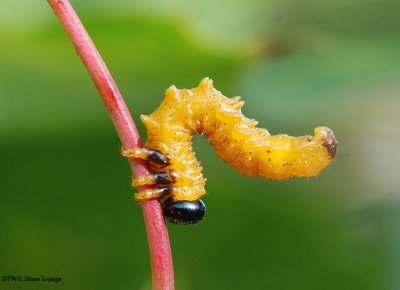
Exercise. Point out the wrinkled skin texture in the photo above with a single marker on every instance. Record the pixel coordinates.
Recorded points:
(236, 139)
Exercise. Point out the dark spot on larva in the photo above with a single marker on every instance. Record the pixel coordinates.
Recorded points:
(224, 124)
(251, 153)
(330, 144)
(269, 159)
(284, 164)
(269, 151)
(309, 139)
(235, 141)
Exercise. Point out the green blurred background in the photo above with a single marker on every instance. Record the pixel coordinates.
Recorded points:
(66, 205)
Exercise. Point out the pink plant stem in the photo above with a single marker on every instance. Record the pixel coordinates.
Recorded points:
(160, 251)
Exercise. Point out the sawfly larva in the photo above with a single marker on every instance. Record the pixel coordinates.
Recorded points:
(176, 173)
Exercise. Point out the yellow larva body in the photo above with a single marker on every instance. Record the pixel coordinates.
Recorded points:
(237, 140)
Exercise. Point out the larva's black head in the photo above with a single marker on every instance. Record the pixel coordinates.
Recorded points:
(184, 212)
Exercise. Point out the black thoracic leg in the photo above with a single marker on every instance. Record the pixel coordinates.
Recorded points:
(153, 193)
(153, 156)
(160, 179)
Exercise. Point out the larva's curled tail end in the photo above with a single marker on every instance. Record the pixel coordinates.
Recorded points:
(328, 140)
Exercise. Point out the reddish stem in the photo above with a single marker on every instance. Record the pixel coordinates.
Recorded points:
(160, 251)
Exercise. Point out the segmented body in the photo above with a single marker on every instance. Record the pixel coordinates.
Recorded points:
(237, 140)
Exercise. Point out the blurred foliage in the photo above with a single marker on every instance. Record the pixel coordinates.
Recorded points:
(66, 207)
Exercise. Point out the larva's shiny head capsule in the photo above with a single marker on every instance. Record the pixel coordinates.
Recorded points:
(184, 212)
